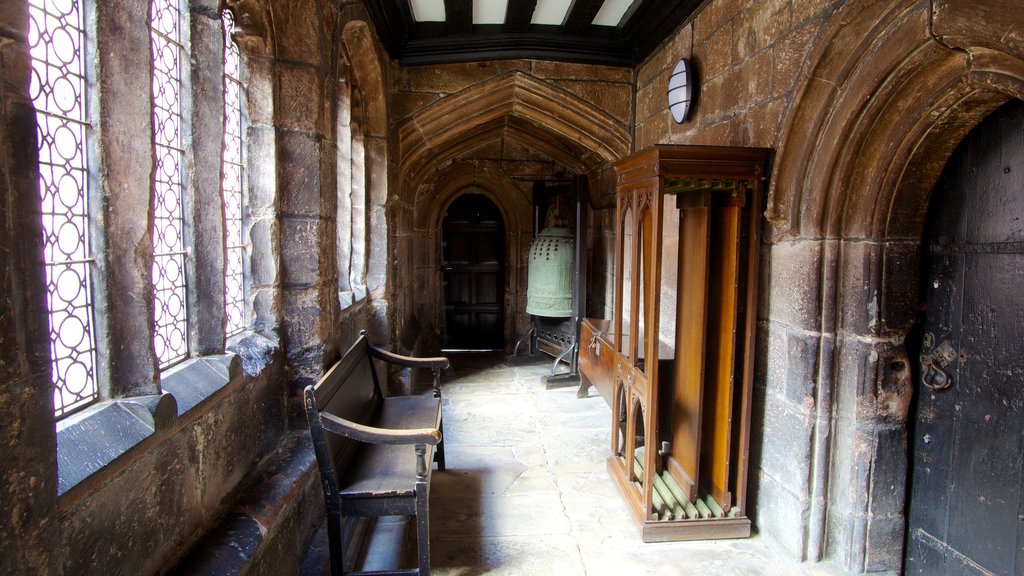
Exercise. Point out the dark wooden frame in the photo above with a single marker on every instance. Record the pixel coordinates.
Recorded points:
(358, 437)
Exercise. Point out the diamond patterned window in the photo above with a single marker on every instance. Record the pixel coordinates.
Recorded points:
(171, 322)
(57, 89)
(233, 183)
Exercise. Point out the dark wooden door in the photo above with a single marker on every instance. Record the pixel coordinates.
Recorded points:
(473, 274)
(965, 510)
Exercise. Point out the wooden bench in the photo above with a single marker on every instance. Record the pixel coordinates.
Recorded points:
(374, 452)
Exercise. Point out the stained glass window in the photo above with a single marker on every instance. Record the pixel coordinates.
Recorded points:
(233, 183)
(171, 323)
(57, 89)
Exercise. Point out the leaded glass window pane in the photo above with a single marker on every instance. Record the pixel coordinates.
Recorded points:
(57, 89)
(171, 323)
(232, 184)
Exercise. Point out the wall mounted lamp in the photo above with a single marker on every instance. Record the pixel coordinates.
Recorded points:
(680, 90)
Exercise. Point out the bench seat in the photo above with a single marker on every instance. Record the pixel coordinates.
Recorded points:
(391, 468)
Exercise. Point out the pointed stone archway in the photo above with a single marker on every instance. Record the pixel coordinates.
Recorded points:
(558, 122)
(885, 101)
(435, 157)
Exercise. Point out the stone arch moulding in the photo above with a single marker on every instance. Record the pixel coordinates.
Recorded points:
(455, 185)
(361, 53)
(883, 105)
(516, 100)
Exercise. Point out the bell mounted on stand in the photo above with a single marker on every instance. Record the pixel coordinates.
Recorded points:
(555, 264)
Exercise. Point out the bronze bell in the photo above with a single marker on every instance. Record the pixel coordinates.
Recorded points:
(551, 274)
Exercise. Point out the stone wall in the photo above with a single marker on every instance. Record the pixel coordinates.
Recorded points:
(216, 416)
(862, 102)
(28, 469)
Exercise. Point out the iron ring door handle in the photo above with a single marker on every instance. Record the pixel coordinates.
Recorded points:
(932, 376)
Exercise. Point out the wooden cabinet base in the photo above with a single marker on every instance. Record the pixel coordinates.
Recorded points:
(711, 529)
(673, 530)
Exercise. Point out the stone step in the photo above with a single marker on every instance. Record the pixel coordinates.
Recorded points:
(268, 527)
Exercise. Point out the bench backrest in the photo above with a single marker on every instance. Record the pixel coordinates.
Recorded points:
(350, 390)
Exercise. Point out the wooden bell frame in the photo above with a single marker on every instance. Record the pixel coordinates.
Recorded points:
(684, 350)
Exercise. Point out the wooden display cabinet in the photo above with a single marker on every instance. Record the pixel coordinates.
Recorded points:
(686, 270)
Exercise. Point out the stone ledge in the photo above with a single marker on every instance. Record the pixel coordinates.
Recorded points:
(193, 381)
(274, 500)
(349, 298)
(255, 350)
(89, 441)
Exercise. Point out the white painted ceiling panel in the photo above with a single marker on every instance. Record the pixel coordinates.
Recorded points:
(427, 10)
(550, 12)
(611, 12)
(489, 11)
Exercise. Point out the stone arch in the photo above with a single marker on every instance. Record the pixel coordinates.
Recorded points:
(561, 124)
(516, 106)
(889, 93)
(361, 53)
(427, 225)
(454, 185)
(359, 49)
(883, 94)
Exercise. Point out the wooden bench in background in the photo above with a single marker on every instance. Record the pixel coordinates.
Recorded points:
(597, 358)
(375, 452)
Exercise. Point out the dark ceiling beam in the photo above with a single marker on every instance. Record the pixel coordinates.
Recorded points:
(581, 15)
(531, 45)
(519, 14)
(652, 22)
(458, 40)
(393, 20)
(458, 15)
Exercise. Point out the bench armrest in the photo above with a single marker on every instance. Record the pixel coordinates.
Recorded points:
(439, 362)
(374, 435)
(418, 437)
(436, 364)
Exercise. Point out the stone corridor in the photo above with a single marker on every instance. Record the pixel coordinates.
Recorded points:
(526, 491)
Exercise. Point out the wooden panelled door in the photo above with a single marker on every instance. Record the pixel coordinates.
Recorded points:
(473, 256)
(966, 510)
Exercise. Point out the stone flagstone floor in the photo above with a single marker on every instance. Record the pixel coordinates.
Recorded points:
(526, 491)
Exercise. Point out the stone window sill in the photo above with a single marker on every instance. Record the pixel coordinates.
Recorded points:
(349, 298)
(90, 440)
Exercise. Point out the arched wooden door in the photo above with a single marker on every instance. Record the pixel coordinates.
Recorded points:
(473, 283)
(965, 509)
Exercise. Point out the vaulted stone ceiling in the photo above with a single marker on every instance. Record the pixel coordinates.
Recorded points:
(608, 32)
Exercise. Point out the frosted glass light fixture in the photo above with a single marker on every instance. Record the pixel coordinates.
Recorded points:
(551, 12)
(680, 90)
